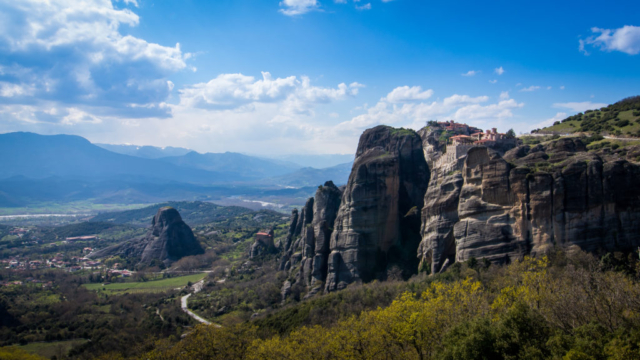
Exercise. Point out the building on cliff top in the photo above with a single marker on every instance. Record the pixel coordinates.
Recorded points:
(459, 145)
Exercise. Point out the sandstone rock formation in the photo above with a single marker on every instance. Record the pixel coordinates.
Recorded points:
(377, 225)
(528, 201)
(169, 239)
(407, 203)
(262, 245)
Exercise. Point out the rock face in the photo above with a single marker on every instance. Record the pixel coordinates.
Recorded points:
(408, 207)
(168, 240)
(377, 225)
(527, 201)
(262, 245)
(313, 244)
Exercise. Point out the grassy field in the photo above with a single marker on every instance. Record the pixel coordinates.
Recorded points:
(147, 286)
(77, 207)
(55, 348)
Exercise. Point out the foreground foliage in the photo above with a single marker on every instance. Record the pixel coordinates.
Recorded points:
(573, 307)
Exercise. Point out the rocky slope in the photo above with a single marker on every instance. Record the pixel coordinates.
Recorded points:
(169, 239)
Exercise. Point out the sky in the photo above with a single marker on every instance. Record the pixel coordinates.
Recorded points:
(305, 76)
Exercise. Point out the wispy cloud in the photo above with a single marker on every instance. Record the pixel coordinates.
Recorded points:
(625, 39)
(366, 6)
(579, 106)
(531, 88)
(298, 7)
(470, 73)
(406, 94)
(499, 70)
(494, 81)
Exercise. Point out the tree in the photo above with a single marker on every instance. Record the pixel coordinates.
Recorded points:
(511, 134)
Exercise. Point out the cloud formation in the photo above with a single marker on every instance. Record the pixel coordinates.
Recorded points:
(579, 106)
(415, 114)
(238, 91)
(470, 73)
(499, 70)
(298, 7)
(407, 94)
(78, 56)
(530, 88)
(625, 39)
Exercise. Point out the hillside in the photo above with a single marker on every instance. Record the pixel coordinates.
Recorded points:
(73, 157)
(619, 119)
(192, 212)
(308, 176)
(147, 152)
(238, 165)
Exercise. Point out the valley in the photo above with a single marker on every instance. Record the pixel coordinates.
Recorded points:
(484, 229)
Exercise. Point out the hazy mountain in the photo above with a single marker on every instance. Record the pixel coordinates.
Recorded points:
(241, 166)
(67, 156)
(147, 152)
(308, 176)
(319, 161)
(21, 191)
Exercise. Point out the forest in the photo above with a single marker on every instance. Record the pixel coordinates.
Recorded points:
(568, 305)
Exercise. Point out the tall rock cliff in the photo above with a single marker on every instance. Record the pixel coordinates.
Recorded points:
(311, 249)
(406, 202)
(169, 239)
(527, 201)
(377, 226)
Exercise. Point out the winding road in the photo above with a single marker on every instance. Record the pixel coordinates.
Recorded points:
(196, 288)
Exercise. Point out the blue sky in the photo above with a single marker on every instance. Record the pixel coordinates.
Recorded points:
(305, 76)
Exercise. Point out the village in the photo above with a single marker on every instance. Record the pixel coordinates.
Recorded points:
(59, 260)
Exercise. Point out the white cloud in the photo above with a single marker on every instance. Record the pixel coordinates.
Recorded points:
(78, 56)
(504, 95)
(470, 73)
(415, 114)
(531, 88)
(500, 110)
(298, 7)
(579, 106)
(558, 117)
(77, 116)
(499, 70)
(366, 6)
(625, 39)
(562, 87)
(494, 81)
(406, 93)
(241, 92)
(10, 90)
(548, 87)
(581, 47)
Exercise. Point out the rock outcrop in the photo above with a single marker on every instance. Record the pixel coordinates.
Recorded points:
(408, 207)
(378, 223)
(262, 245)
(528, 201)
(169, 239)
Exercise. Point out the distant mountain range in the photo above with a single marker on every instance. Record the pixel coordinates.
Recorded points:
(317, 161)
(36, 168)
(147, 152)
